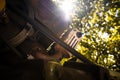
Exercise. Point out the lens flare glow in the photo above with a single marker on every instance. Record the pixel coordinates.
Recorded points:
(67, 7)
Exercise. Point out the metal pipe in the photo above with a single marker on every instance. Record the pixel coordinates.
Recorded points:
(43, 28)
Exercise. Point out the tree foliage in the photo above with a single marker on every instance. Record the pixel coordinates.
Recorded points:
(99, 20)
(101, 28)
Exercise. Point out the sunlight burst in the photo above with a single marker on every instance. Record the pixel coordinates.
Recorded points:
(67, 7)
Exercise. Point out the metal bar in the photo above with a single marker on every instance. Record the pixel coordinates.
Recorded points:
(43, 28)
(13, 49)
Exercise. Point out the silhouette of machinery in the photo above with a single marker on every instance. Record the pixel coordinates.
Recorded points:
(39, 20)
